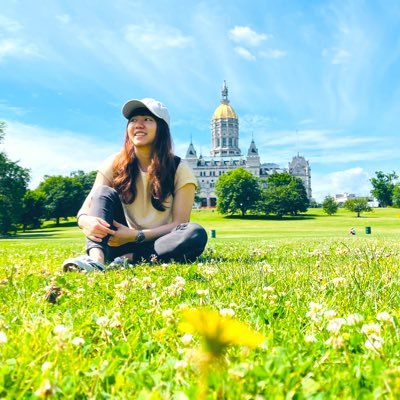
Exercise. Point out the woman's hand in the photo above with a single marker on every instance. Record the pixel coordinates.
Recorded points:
(121, 235)
(95, 228)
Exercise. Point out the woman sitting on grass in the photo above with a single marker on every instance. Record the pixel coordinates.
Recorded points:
(140, 204)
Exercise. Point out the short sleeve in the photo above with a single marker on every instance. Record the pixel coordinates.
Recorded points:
(106, 167)
(184, 175)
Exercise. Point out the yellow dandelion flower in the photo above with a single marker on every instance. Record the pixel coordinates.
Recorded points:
(219, 331)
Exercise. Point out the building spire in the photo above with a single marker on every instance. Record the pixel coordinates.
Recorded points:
(224, 93)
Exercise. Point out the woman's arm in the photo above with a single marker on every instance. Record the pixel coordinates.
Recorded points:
(181, 210)
(94, 228)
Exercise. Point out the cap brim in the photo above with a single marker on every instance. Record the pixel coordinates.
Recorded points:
(130, 106)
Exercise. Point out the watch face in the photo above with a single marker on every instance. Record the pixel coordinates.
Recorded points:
(140, 237)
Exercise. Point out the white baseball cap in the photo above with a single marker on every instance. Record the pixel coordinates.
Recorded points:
(155, 106)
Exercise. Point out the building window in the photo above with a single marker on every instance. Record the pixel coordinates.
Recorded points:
(223, 142)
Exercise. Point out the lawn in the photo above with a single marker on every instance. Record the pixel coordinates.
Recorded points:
(324, 304)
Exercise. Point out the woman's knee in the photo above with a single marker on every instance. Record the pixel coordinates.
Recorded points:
(186, 241)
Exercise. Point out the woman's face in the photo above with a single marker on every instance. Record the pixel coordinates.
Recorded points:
(142, 130)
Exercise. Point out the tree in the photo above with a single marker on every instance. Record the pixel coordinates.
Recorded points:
(64, 196)
(329, 205)
(358, 205)
(284, 194)
(33, 209)
(86, 180)
(13, 184)
(396, 195)
(2, 130)
(237, 191)
(383, 186)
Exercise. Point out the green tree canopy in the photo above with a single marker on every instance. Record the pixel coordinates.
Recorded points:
(13, 184)
(329, 205)
(396, 195)
(284, 194)
(86, 180)
(383, 185)
(2, 130)
(33, 209)
(237, 191)
(64, 196)
(358, 205)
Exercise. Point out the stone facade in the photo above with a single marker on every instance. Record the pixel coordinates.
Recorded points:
(225, 155)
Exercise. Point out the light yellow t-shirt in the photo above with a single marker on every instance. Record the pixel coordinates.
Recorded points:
(141, 214)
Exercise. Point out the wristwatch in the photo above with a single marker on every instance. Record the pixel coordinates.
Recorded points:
(140, 237)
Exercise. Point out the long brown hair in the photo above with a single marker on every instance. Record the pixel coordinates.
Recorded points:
(160, 172)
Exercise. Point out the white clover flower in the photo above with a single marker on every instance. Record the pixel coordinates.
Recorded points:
(209, 271)
(45, 390)
(155, 301)
(120, 297)
(371, 329)
(3, 337)
(315, 312)
(102, 321)
(338, 281)
(202, 292)
(310, 339)
(78, 341)
(115, 320)
(147, 283)
(374, 342)
(336, 341)
(186, 339)
(268, 289)
(227, 312)
(60, 330)
(384, 317)
(168, 313)
(354, 319)
(180, 364)
(179, 281)
(330, 314)
(46, 366)
(267, 268)
(335, 324)
(122, 285)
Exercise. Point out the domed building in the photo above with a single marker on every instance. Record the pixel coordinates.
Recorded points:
(225, 155)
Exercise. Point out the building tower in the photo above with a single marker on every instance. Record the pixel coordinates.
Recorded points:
(300, 167)
(224, 128)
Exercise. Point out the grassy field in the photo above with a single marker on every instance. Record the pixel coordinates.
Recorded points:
(325, 304)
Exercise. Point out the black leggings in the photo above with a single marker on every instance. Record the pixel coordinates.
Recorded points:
(183, 244)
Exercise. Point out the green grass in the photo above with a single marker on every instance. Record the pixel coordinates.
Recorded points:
(268, 272)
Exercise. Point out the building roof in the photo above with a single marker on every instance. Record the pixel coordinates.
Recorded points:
(224, 111)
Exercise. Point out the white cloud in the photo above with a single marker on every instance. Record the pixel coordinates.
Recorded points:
(16, 48)
(8, 24)
(336, 55)
(246, 36)
(6, 108)
(52, 152)
(64, 18)
(156, 37)
(272, 53)
(246, 54)
(354, 180)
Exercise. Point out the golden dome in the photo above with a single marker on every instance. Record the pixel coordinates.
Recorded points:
(224, 110)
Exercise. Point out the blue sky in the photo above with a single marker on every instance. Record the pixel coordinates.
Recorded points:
(318, 78)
